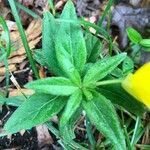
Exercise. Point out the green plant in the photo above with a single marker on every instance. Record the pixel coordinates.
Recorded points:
(82, 81)
(136, 38)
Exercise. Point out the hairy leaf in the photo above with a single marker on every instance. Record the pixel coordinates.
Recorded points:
(39, 57)
(119, 96)
(67, 131)
(69, 117)
(127, 66)
(102, 68)
(71, 36)
(49, 30)
(65, 62)
(38, 109)
(15, 100)
(53, 85)
(93, 46)
(71, 107)
(102, 114)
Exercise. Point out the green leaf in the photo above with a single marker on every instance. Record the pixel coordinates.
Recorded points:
(117, 72)
(15, 100)
(3, 56)
(53, 85)
(87, 93)
(71, 36)
(87, 66)
(145, 43)
(127, 66)
(102, 114)
(70, 116)
(93, 46)
(67, 145)
(49, 31)
(39, 57)
(71, 107)
(67, 131)
(38, 109)
(102, 68)
(119, 96)
(2, 100)
(72, 145)
(65, 63)
(70, 51)
(133, 35)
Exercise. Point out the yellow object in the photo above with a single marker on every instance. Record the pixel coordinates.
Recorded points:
(138, 84)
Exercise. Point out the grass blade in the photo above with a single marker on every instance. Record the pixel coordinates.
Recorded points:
(110, 3)
(7, 35)
(28, 11)
(23, 37)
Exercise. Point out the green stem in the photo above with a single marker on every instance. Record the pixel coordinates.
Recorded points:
(115, 81)
(23, 37)
(135, 130)
(127, 138)
(122, 116)
(90, 134)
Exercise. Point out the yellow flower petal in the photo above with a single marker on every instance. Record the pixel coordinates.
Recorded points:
(138, 84)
